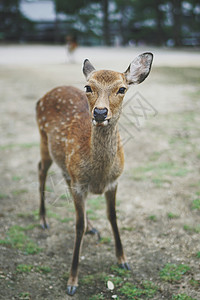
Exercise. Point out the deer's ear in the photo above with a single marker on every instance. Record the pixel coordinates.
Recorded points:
(139, 69)
(87, 68)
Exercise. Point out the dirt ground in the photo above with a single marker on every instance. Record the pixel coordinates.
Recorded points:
(158, 195)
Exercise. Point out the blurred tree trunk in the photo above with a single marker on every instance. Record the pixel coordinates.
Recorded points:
(159, 17)
(106, 27)
(177, 22)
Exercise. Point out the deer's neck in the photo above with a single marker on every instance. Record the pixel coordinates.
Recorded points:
(104, 142)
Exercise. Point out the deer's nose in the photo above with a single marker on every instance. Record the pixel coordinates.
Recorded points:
(100, 114)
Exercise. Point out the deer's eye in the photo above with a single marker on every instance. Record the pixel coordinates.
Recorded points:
(88, 89)
(121, 90)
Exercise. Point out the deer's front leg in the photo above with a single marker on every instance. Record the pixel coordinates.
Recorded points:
(79, 203)
(111, 213)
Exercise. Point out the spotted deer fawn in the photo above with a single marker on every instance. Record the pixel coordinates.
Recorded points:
(79, 132)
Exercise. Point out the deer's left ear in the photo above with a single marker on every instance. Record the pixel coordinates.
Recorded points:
(139, 69)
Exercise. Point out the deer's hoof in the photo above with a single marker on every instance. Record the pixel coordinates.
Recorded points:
(125, 266)
(71, 290)
(94, 231)
(44, 224)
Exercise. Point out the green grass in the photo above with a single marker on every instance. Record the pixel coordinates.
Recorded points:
(171, 215)
(3, 196)
(152, 218)
(23, 268)
(18, 239)
(173, 272)
(196, 204)
(125, 228)
(24, 296)
(147, 290)
(16, 178)
(87, 280)
(97, 297)
(191, 229)
(198, 254)
(19, 192)
(159, 173)
(182, 297)
(96, 203)
(23, 146)
(105, 240)
(123, 287)
(56, 216)
(195, 283)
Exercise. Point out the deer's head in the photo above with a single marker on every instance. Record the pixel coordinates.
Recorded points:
(105, 89)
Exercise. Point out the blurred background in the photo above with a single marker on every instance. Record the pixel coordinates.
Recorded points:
(106, 22)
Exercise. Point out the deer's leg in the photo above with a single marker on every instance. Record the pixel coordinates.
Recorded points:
(79, 203)
(43, 167)
(111, 213)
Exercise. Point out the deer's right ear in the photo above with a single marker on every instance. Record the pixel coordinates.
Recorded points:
(87, 68)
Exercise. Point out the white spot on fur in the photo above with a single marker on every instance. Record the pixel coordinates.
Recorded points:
(63, 139)
(59, 90)
(59, 100)
(42, 108)
(64, 101)
(46, 124)
(41, 103)
(71, 101)
(43, 118)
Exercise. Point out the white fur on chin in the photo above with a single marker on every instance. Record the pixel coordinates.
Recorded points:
(104, 123)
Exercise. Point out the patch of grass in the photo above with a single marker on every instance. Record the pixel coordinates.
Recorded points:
(18, 239)
(171, 215)
(195, 283)
(191, 229)
(49, 189)
(19, 192)
(17, 178)
(152, 218)
(23, 146)
(3, 196)
(196, 204)
(182, 297)
(51, 214)
(198, 254)
(173, 272)
(127, 228)
(23, 268)
(147, 290)
(43, 269)
(24, 296)
(96, 203)
(87, 280)
(97, 297)
(159, 173)
(105, 240)
(154, 156)
(120, 272)
(92, 214)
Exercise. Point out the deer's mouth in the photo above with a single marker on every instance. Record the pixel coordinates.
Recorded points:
(100, 123)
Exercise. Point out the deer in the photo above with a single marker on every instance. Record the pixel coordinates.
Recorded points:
(79, 132)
